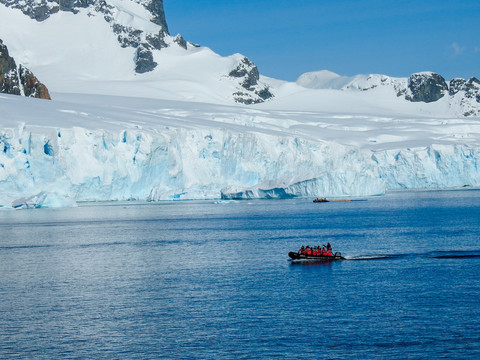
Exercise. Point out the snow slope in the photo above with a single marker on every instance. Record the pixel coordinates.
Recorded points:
(85, 57)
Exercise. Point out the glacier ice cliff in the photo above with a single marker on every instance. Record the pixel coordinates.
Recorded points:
(78, 164)
(432, 167)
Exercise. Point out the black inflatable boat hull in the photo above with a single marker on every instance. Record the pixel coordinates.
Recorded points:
(305, 257)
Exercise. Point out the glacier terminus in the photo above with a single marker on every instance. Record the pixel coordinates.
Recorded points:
(144, 149)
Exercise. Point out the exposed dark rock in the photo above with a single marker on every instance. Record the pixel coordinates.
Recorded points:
(31, 86)
(472, 89)
(157, 41)
(248, 76)
(255, 97)
(265, 93)
(426, 87)
(158, 12)
(144, 60)
(467, 94)
(456, 85)
(17, 80)
(38, 10)
(41, 10)
(127, 37)
(8, 73)
(246, 98)
(180, 41)
(248, 71)
(401, 92)
(73, 5)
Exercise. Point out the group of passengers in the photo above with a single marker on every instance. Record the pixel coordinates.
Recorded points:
(324, 250)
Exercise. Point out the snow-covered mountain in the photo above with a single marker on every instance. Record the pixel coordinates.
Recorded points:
(121, 47)
(462, 96)
(139, 114)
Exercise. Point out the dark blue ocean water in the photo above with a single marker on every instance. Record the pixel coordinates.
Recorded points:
(201, 280)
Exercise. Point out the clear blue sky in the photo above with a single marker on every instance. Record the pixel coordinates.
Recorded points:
(287, 38)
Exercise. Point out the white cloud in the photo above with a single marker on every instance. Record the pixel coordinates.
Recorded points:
(457, 49)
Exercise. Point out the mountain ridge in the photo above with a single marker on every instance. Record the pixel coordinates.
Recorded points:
(129, 35)
(125, 48)
(426, 87)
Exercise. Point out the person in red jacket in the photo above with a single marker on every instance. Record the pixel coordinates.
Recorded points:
(309, 250)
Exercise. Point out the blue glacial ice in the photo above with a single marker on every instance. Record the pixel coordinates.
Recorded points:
(77, 164)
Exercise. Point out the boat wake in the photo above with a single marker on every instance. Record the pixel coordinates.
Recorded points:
(452, 254)
(455, 254)
(374, 257)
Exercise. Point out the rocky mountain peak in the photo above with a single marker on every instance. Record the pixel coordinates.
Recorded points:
(467, 93)
(472, 88)
(18, 80)
(41, 10)
(456, 85)
(426, 87)
(158, 12)
(127, 35)
(430, 87)
(248, 76)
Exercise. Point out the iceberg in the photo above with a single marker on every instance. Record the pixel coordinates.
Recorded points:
(41, 200)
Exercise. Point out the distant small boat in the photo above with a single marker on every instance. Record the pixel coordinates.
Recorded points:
(304, 257)
(321, 200)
